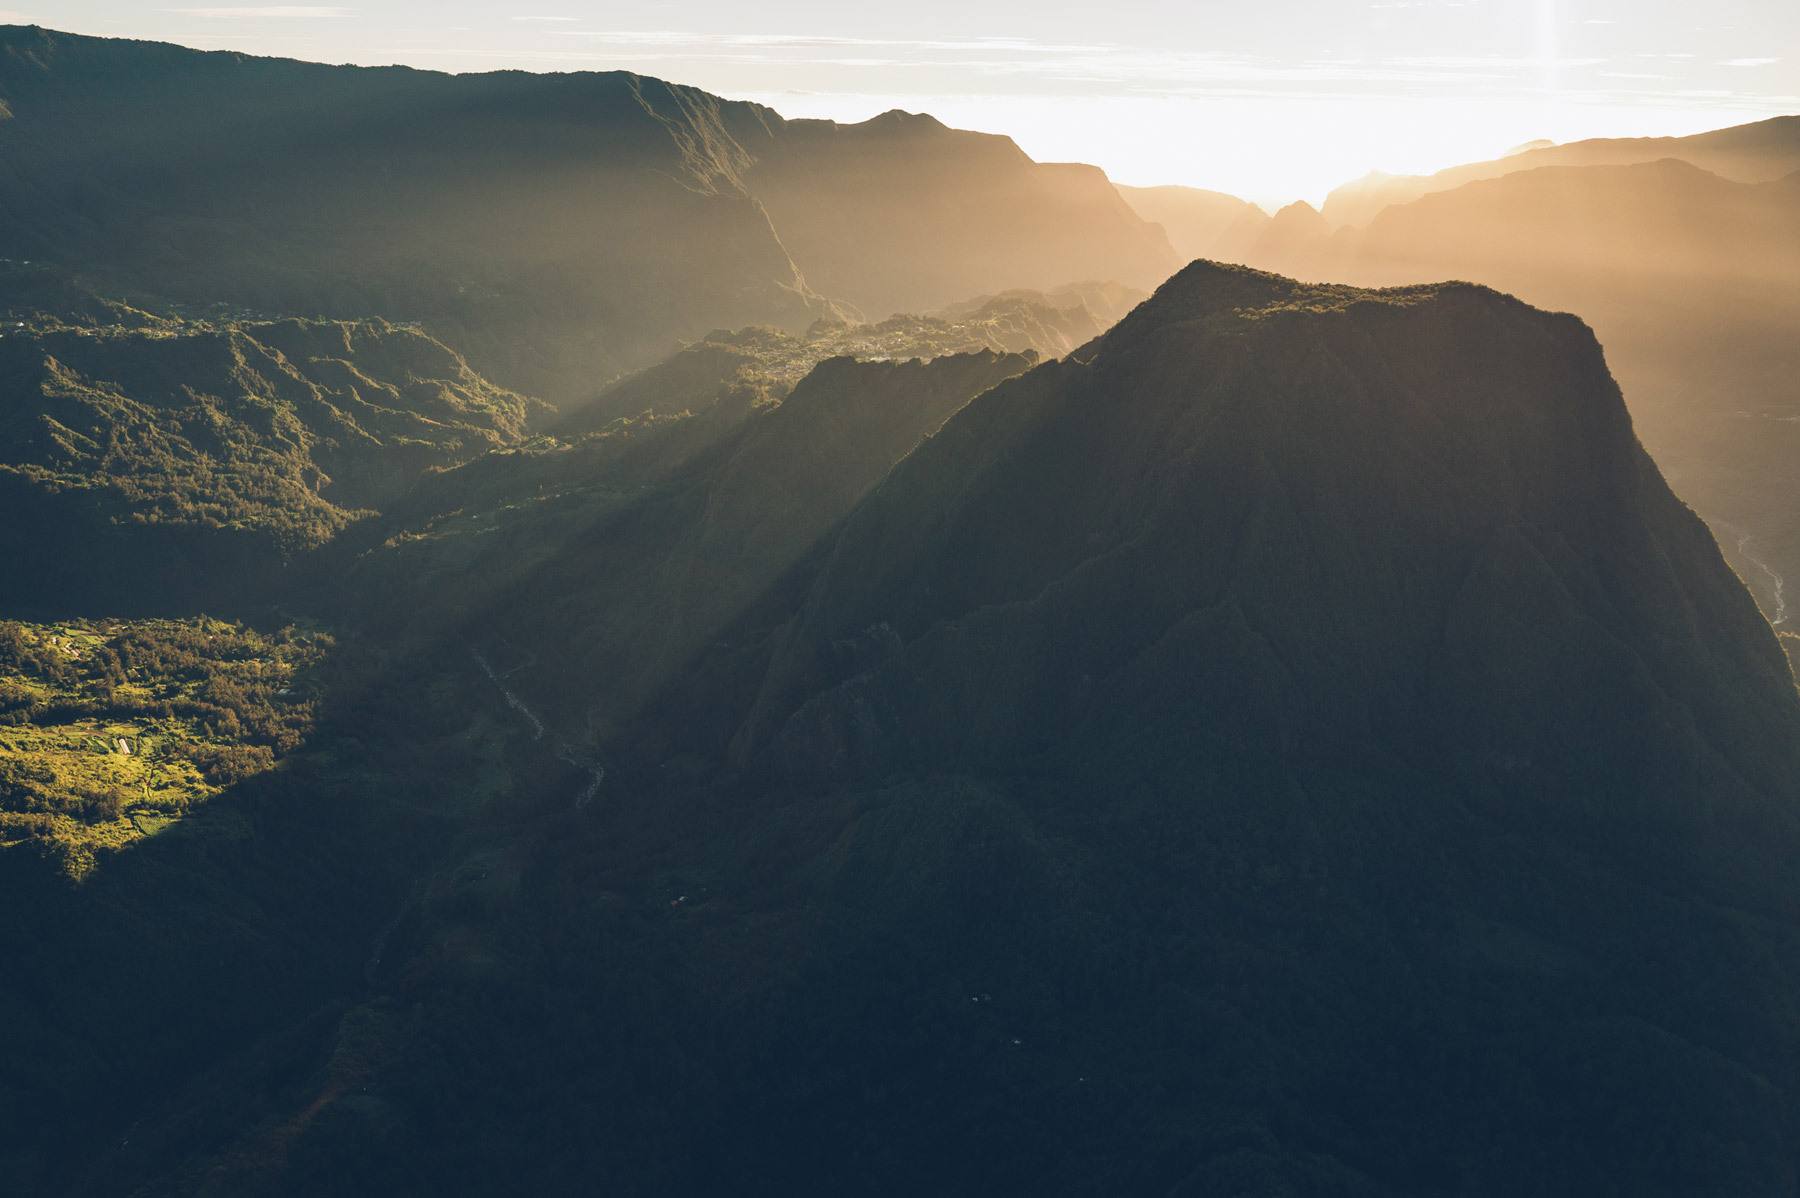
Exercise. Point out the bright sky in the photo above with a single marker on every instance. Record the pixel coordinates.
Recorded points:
(1271, 99)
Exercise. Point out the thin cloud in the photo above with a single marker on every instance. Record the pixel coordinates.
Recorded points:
(277, 12)
(802, 41)
(1750, 62)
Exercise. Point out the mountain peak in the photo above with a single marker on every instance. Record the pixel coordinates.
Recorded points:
(912, 122)
(1206, 291)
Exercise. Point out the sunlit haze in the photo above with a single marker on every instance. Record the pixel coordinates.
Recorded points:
(1273, 101)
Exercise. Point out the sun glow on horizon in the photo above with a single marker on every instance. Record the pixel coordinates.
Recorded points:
(1272, 150)
(1274, 102)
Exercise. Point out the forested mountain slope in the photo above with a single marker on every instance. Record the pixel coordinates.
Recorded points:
(1302, 747)
(601, 568)
(152, 465)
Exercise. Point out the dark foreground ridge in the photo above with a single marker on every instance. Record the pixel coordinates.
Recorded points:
(1296, 745)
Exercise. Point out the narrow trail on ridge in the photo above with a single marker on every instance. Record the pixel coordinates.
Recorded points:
(596, 771)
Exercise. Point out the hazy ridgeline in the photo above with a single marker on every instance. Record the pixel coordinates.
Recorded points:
(554, 228)
(561, 632)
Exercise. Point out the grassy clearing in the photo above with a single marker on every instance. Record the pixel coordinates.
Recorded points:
(113, 730)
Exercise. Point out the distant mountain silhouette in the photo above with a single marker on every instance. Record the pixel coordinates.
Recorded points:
(558, 229)
(1757, 153)
(1196, 221)
(1289, 237)
(758, 364)
(901, 214)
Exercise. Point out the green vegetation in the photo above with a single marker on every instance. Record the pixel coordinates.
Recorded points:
(110, 731)
(177, 450)
(291, 426)
(736, 371)
(1293, 742)
(1215, 765)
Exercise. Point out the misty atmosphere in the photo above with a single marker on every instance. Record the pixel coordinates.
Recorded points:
(950, 602)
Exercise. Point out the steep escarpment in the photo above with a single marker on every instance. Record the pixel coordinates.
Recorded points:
(1200, 224)
(556, 227)
(1270, 430)
(1686, 276)
(901, 214)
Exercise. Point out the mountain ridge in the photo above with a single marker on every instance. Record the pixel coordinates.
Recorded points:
(558, 229)
(1242, 748)
(1760, 152)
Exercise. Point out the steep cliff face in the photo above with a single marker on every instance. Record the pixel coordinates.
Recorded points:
(561, 227)
(1359, 481)
(1345, 655)
(1689, 280)
(901, 214)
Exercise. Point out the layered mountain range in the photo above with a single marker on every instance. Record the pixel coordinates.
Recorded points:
(1300, 743)
(1757, 153)
(559, 632)
(557, 229)
(1686, 274)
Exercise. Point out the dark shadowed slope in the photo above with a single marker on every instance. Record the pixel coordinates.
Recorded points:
(1345, 656)
(1303, 749)
(1756, 153)
(1688, 278)
(614, 561)
(763, 363)
(1363, 476)
(224, 950)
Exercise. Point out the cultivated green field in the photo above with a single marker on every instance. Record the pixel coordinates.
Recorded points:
(113, 730)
